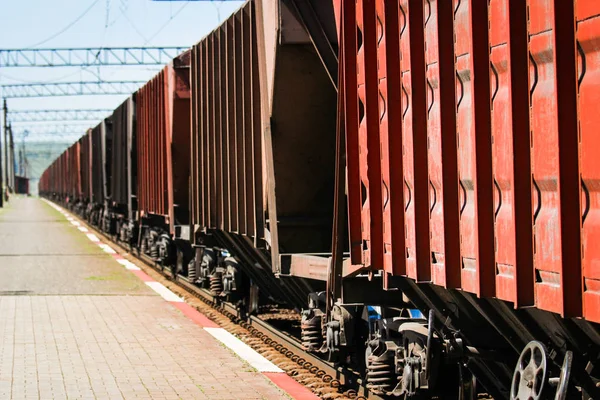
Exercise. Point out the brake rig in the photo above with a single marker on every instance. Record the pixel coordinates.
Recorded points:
(406, 355)
(216, 269)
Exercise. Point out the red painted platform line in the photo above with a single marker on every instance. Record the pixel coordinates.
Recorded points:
(281, 379)
(289, 385)
(143, 276)
(193, 314)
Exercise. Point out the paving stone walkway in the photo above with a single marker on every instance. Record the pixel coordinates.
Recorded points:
(75, 324)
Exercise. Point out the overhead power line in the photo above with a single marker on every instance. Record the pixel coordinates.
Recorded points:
(16, 116)
(66, 28)
(70, 89)
(85, 57)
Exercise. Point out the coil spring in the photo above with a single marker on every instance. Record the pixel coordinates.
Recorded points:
(216, 284)
(311, 334)
(123, 233)
(380, 375)
(154, 251)
(192, 273)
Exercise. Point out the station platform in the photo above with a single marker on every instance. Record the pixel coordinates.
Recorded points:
(77, 321)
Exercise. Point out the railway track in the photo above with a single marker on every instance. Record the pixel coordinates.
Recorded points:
(323, 378)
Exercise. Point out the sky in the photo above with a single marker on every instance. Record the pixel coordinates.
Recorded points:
(97, 23)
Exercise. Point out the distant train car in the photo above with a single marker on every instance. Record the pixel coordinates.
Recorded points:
(85, 174)
(21, 185)
(163, 137)
(74, 173)
(121, 214)
(100, 163)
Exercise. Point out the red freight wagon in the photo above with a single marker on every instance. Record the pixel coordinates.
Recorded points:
(21, 185)
(100, 163)
(163, 136)
(263, 113)
(85, 160)
(73, 171)
(471, 149)
(123, 174)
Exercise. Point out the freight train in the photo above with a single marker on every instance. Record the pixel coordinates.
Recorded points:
(418, 178)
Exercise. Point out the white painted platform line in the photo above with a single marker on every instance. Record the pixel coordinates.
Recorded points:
(107, 248)
(75, 223)
(129, 265)
(83, 229)
(93, 237)
(164, 292)
(243, 350)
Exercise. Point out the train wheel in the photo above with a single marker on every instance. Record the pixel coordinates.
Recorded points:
(180, 266)
(531, 373)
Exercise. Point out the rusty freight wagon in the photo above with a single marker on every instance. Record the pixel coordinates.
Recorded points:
(54, 181)
(471, 155)
(163, 136)
(21, 185)
(122, 202)
(62, 179)
(85, 173)
(263, 124)
(100, 163)
(74, 175)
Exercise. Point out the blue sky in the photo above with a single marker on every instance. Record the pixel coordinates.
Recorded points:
(109, 23)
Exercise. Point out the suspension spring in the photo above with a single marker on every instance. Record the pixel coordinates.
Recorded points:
(216, 284)
(154, 250)
(380, 374)
(311, 335)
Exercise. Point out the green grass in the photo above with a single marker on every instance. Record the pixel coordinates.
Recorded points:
(111, 277)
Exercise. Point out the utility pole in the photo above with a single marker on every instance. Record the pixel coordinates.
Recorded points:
(21, 162)
(5, 145)
(1, 187)
(11, 171)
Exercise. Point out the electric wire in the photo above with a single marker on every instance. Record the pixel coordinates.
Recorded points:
(66, 28)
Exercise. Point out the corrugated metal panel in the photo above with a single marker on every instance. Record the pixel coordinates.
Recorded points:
(163, 135)
(467, 172)
(227, 190)
(588, 39)
(98, 167)
(123, 131)
(74, 171)
(85, 159)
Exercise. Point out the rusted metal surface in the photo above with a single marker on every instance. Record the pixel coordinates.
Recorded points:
(73, 171)
(85, 160)
(62, 178)
(123, 168)
(163, 137)
(227, 190)
(246, 141)
(588, 39)
(101, 142)
(469, 146)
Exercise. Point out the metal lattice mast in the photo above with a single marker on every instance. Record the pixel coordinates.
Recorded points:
(57, 115)
(92, 56)
(70, 89)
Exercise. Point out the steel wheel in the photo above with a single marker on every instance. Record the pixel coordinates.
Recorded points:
(531, 373)
(565, 375)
